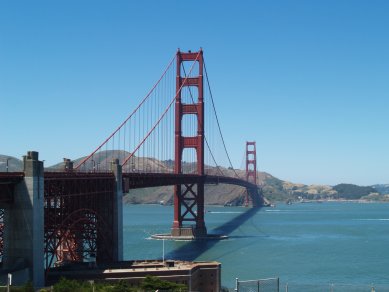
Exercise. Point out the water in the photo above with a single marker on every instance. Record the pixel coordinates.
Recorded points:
(303, 244)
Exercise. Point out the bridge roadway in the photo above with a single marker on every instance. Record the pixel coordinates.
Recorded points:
(133, 180)
(142, 180)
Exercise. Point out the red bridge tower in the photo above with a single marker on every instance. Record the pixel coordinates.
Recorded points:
(189, 198)
(251, 166)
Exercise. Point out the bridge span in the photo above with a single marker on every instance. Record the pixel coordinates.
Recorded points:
(76, 213)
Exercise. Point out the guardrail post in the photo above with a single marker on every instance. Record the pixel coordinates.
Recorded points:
(9, 281)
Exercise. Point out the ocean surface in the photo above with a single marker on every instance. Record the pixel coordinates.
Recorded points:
(318, 244)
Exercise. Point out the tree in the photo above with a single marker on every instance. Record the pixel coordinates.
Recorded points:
(154, 283)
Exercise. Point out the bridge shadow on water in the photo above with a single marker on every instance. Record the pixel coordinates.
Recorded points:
(193, 249)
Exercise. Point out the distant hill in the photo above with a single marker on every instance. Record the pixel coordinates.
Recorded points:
(14, 164)
(273, 188)
(217, 194)
(352, 192)
(383, 189)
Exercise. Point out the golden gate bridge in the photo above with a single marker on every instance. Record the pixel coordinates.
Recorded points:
(170, 138)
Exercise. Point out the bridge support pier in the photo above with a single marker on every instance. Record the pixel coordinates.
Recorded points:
(24, 226)
(191, 197)
(117, 211)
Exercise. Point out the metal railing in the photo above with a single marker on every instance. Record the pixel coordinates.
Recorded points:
(333, 287)
(260, 285)
(273, 285)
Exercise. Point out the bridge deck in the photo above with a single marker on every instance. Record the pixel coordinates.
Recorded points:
(131, 180)
(142, 180)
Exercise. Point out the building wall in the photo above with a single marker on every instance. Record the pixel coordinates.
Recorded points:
(197, 276)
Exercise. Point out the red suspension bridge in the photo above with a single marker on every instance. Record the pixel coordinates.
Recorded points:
(171, 138)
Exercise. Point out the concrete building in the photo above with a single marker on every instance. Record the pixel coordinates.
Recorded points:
(197, 276)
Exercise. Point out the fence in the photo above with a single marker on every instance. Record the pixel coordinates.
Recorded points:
(294, 287)
(273, 285)
(262, 285)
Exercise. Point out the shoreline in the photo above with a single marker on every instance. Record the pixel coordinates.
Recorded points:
(360, 201)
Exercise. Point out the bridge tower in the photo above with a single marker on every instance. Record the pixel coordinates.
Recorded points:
(251, 166)
(189, 198)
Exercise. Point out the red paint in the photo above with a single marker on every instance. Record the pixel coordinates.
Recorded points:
(189, 196)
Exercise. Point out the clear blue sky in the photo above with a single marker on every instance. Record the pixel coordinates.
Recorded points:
(308, 80)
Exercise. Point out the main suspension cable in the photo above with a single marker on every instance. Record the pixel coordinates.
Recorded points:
(125, 121)
(205, 138)
(217, 120)
(161, 117)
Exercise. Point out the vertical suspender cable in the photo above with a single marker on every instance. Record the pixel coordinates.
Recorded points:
(217, 119)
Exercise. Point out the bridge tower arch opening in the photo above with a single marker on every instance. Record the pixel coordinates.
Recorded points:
(189, 198)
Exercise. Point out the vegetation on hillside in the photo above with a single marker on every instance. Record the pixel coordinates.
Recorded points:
(352, 192)
(381, 188)
(273, 190)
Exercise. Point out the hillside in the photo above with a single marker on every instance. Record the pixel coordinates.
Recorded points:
(381, 188)
(352, 192)
(217, 194)
(273, 188)
(14, 164)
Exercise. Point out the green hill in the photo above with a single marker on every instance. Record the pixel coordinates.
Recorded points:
(352, 192)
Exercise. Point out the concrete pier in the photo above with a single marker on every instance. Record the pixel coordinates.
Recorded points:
(117, 211)
(24, 226)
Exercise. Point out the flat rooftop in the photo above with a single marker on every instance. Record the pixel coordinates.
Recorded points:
(128, 269)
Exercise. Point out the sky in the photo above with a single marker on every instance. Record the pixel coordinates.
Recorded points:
(307, 80)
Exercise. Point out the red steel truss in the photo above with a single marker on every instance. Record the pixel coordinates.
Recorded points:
(189, 198)
(78, 217)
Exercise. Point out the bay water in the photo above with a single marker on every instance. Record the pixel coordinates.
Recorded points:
(302, 244)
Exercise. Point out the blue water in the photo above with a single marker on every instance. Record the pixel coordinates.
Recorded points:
(307, 243)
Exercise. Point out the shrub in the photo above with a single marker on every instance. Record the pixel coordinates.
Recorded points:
(153, 283)
(65, 285)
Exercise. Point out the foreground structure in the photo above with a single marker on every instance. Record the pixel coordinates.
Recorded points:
(197, 276)
(58, 217)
